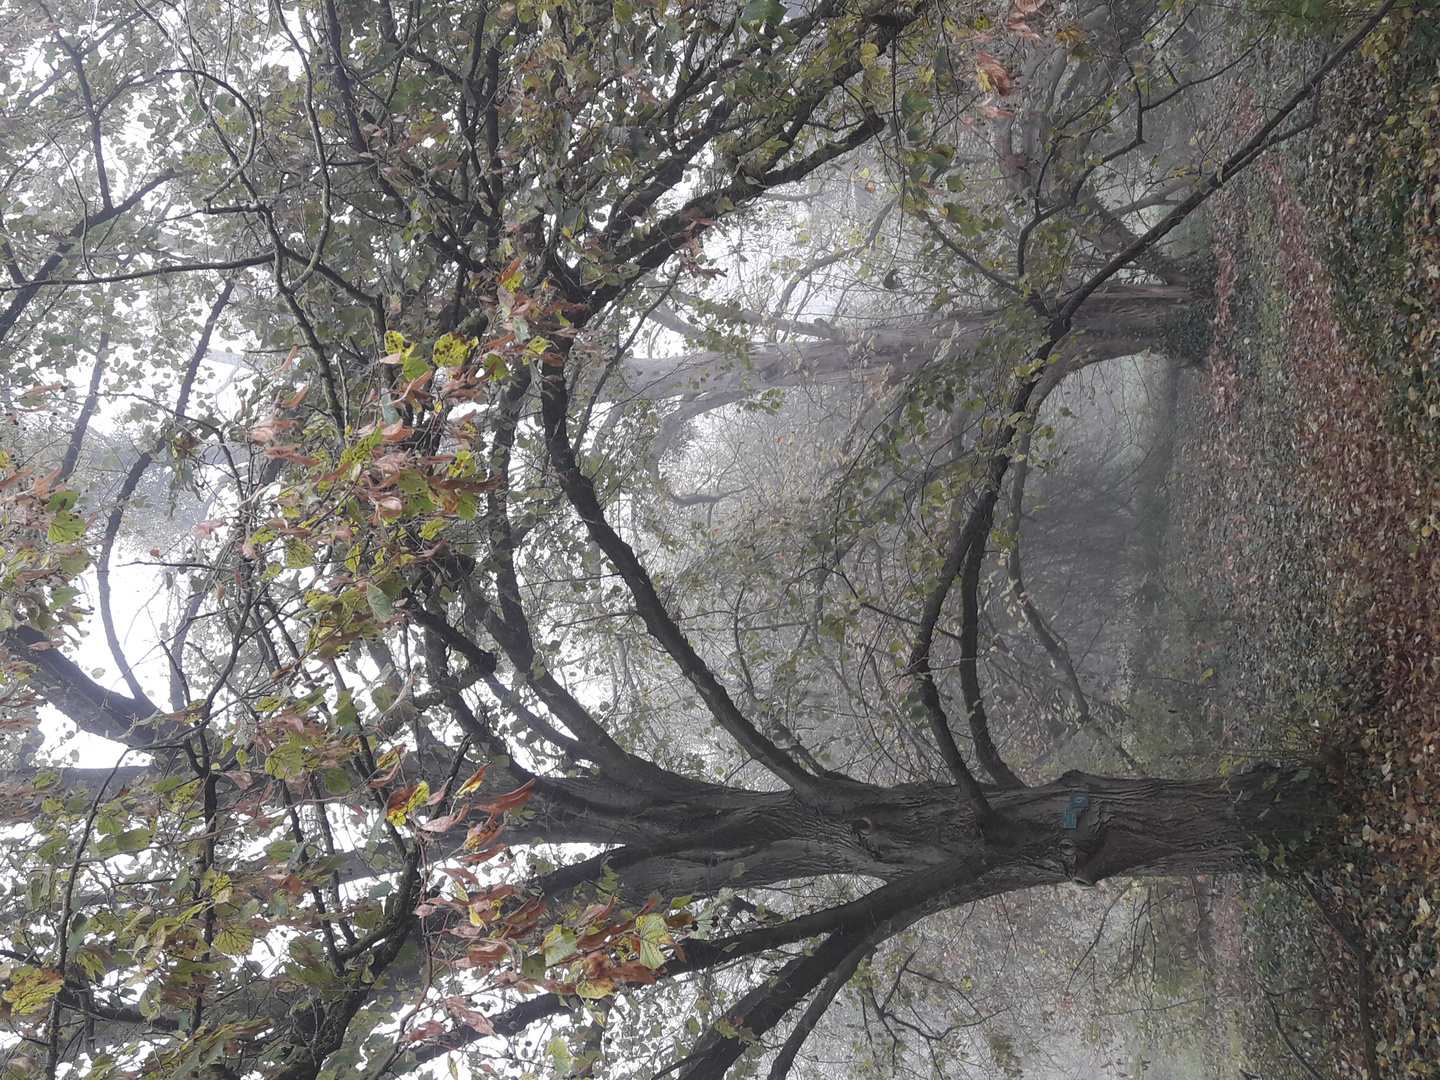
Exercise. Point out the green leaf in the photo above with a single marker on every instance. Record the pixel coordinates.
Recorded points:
(559, 1049)
(345, 712)
(62, 501)
(914, 104)
(770, 12)
(133, 840)
(653, 928)
(337, 781)
(298, 555)
(653, 934)
(415, 368)
(65, 528)
(559, 944)
(378, 601)
(650, 955)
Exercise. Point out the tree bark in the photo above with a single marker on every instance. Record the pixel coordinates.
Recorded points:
(1127, 827)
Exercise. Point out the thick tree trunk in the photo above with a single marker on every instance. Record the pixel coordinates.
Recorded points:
(699, 845)
(1162, 827)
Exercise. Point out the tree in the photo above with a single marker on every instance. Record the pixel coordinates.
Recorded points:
(437, 584)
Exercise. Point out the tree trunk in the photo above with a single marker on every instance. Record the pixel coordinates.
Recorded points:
(1153, 827)
(1125, 827)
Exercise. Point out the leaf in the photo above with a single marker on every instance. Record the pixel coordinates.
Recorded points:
(405, 802)
(769, 12)
(519, 797)
(379, 603)
(559, 945)
(653, 928)
(451, 350)
(62, 500)
(234, 940)
(473, 783)
(298, 555)
(653, 934)
(992, 76)
(559, 1049)
(32, 988)
(445, 824)
(595, 988)
(415, 368)
(914, 104)
(395, 431)
(651, 956)
(65, 528)
(133, 840)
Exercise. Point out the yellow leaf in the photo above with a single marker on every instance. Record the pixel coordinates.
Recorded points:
(33, 988)
(473, 783)
(234, 940)
(595, 988)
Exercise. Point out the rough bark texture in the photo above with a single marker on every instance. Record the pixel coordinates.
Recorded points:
(1129, 827)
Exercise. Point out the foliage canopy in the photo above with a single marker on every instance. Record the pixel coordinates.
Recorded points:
(448, 726)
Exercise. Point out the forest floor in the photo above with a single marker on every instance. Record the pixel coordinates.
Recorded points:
(1306, 505)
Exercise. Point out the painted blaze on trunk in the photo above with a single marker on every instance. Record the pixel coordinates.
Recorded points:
(1156, 827)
